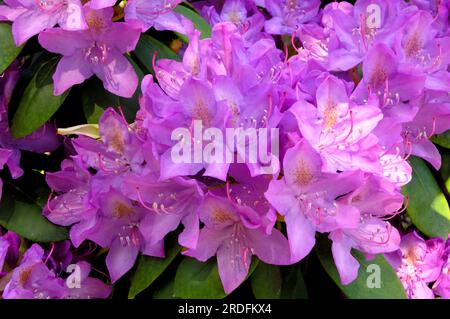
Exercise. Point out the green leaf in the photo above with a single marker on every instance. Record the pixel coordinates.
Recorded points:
(165, 291)
(150, 268)
(445, 169)
(198, 280)
(96, 99)
(390, 285)
(266, 282)
(147, 46)
(8, 49)
(24, 216)
(199, 23)
(442, 139)
(293, 286)
(427, 206)
(38, 104)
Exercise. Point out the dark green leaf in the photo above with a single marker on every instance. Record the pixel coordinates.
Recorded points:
(8, 49)
(38, 103)
(445, 169)
(266, 281)
(24, 216)
(390, 285)
(147, 46)
(150, 268)
(197, 280)
(199, 23)
(442, 139)
(96, 99)
(294, 286)
(427, 206)
(165, 291)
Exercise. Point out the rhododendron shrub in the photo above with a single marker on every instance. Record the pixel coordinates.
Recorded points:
(169, 149)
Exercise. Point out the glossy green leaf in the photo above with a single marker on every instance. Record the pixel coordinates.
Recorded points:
(150, 268)
(165, 291)
(365, 286)
(445, 169)
(96, 99)
(24, 216)
(427, 205)
(294, 286)
(266, 281)
(199, 23)
(38, 104)
(8, 49)
(146, 48)
(198, 280)
(442, 139)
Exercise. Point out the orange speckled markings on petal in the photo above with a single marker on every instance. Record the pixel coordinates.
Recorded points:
(201, 112)
(117, 143)
(24, 275)
(330, 117)
(95, 22)
(122, 210)
(221, 216)
(303, 174)
(378, 77)
(413, 45)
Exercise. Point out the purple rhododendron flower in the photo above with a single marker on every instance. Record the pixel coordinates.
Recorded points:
(306, 197)
(234, 233)
(350, 92)
(99, 50)
(442, 285)
(376, 201)
(288, 15)
(32, 17)
(123, 206)
(342, 132)
(33, 279)
(9, 250)
(420, 262)
(193, 95)
(243, 14)
(158, 14)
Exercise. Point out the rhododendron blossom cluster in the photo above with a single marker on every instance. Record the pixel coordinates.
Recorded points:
(349, 104)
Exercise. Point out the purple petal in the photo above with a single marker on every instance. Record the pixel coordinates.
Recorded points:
(120, 259)
(346, 264)
(233, 260)
(100, 4)
(209, 242)
(155, 227)
(189, 237)
(118, 75)
(301, 235)
(271, 249)
(73, 18)
(71, 70)
(29, 24)
(63, 42)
